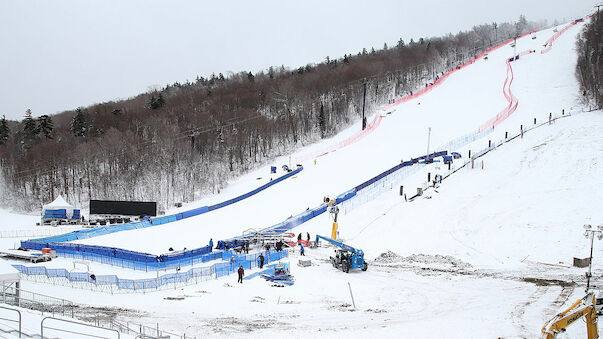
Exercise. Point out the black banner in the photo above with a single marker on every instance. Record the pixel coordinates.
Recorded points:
(131, 208)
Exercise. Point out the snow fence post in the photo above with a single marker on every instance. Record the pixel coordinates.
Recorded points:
(350, 287)
(521, 130)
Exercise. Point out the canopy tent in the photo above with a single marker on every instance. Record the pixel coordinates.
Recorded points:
(54, 209)
(58, 203)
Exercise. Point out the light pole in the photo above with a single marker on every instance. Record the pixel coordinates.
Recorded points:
(589, 232)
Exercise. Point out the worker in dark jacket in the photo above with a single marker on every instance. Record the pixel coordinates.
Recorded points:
(241, 273)
(299, 237)
(308, 236)
(261, 260)
(211, 244)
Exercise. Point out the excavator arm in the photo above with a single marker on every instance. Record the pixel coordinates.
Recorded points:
(584, 307)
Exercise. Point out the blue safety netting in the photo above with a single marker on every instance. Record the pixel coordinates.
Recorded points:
(216, 270)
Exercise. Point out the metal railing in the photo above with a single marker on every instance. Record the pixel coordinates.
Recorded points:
(12, 320)
(32, 233)
(73, 331)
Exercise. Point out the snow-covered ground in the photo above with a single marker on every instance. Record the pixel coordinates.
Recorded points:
(488, 254)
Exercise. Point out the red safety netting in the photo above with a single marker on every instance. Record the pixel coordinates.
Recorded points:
(428, 88)
(549, 43)
(511, 99)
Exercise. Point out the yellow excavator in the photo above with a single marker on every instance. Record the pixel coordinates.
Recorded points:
(588, 308)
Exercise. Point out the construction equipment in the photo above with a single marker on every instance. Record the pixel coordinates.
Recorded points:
(346, 256)
(588, 307)
(334, 211)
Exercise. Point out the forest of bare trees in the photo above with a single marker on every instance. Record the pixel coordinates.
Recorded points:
(590, 61)
(177, 143)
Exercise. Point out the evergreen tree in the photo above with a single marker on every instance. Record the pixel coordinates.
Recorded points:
(156, 102)
(45, 126)
(79, 123)
(30, 130)
(322, 123)
(401, 43)
(4, 131)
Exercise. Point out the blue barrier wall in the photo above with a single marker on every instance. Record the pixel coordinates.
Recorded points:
(214, 271)
(147, 261)
(98, 231)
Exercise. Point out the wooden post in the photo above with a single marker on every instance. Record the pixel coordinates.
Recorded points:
(506, 135)
(489, 143)
(534, 121)
(563, 111)
(521, 130)
(469, 153)
(428, 176)
(550, 117)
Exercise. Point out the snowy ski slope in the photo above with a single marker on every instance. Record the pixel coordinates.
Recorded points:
(516, 221)
(460, 105)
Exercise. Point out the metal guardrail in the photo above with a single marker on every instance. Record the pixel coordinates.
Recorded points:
(31, 233)
(66, 308)
(75, 332)
(11, 320)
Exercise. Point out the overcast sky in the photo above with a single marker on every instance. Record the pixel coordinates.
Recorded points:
(58, 55)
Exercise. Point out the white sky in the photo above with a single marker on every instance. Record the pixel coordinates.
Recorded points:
(58, 55)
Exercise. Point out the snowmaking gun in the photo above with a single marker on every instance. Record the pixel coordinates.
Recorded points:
(346, 256)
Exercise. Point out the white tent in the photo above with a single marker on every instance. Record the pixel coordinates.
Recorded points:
(57, 204)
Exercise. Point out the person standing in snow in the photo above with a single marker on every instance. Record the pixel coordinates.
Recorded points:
(301, 249)
(308, 236)
(211, 244)
(241, 274)
(299, 237)
(261, 260)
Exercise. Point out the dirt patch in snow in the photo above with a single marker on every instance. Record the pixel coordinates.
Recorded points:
(227, 325)
(548, 282)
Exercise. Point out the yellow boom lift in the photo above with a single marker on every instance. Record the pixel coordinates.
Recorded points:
(587, 308)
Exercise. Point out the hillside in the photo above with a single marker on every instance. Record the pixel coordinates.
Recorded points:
(486, 254)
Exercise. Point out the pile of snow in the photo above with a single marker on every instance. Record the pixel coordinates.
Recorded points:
(390, 257)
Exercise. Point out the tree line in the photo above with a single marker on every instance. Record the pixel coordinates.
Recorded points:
(590, 61)
(177, 143)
